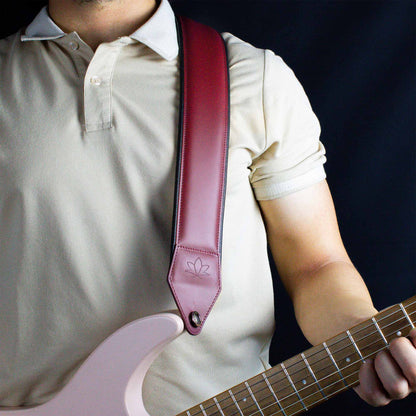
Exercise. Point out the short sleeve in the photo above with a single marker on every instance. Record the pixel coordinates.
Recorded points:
(293, 156)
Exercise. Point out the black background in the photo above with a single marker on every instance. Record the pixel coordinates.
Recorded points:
(356, 62)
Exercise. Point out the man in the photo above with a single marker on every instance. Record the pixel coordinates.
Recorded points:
(89, 100)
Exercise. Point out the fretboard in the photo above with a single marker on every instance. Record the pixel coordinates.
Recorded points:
(310, 378)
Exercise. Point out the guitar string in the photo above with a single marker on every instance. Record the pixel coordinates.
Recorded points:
(335, 373)
(294, 394)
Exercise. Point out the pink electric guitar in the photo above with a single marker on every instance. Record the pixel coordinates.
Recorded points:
(112, 387)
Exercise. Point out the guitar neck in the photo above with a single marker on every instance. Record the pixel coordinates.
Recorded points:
(312, 377)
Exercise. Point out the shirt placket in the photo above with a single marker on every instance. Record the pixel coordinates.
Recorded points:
(97, 87)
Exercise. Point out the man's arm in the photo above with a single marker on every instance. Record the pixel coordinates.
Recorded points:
(327, 292)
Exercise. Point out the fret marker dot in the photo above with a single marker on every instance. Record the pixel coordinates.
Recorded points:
(304, 382)
(245, 399)
(399, 333)
(348, 359)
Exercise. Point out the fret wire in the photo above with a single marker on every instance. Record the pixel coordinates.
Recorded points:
(324, 344)
(380, 331)
(218, 406)
(273, 393)
(252, 396)
(188, 413)
(235, 402)
(291, 382)
(406, 315)
(355, 345)
(313, 374)
(335, 363)
(203, 410)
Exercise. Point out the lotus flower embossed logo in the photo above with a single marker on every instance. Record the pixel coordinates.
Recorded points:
(197, 269)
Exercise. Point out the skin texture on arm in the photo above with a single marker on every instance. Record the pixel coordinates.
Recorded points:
(327, 292)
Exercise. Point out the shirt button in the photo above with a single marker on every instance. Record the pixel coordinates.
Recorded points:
(95, 80)
(73, 45)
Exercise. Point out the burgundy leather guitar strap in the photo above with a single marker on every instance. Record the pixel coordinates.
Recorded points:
(194, 275)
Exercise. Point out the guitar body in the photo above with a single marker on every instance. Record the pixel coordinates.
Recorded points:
(109, 382)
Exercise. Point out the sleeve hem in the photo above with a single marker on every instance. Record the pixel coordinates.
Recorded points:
(277, 190)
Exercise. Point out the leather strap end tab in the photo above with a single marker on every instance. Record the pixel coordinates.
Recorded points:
(195, 284)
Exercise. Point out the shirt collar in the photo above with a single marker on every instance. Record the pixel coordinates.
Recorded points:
(158, 33)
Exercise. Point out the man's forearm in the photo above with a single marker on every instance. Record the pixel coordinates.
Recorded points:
(330, 300)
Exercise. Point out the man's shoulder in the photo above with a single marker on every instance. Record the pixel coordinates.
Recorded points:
(249, 62)
(241, 50)
(238, 49)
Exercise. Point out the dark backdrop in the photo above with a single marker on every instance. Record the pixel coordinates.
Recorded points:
(356, 61)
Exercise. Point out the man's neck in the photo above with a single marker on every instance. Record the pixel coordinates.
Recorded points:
(98, 21)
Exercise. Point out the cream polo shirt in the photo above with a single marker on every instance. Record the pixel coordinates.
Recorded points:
(87, 172)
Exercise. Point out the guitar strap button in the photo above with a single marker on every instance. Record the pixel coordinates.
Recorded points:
(195, 319)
